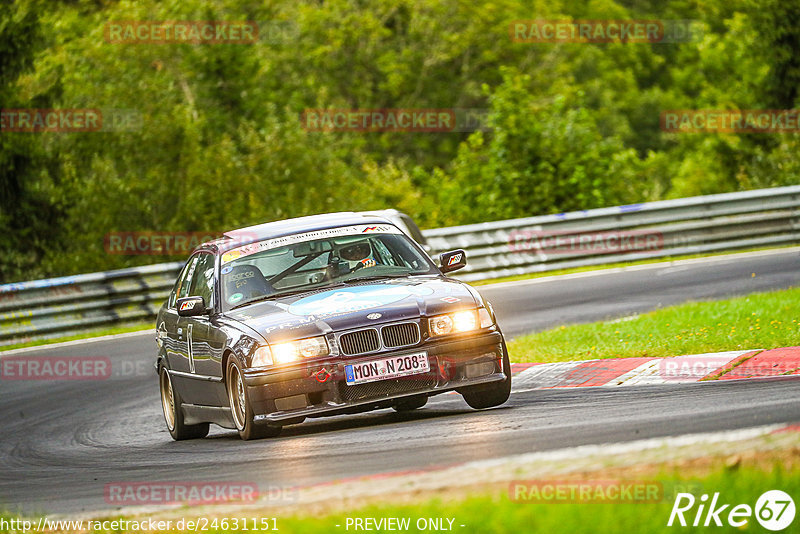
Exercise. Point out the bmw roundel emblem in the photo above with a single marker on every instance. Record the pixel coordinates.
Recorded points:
(374, 316)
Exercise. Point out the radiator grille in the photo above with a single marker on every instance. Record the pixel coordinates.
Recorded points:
(359, 342)
(400, 335)
(386, 388)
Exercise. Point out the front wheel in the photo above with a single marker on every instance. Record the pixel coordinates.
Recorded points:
(494, 394)
(173, 415)
(241, 411)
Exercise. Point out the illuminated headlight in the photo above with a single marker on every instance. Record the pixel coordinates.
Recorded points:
(453, 323)
(291, 351)
(465, 321)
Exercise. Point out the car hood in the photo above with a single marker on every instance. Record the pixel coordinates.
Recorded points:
(353, 306)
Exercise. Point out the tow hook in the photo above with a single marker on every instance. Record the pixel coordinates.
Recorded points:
(322, 375)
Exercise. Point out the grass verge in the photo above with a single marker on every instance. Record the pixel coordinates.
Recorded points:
(498, 513)
(122, 329)
(760, 320)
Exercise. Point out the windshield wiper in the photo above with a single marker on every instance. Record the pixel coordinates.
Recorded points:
(373, 277)
(252, 301)
(272, 296)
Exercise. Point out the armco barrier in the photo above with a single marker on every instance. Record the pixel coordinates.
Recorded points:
(731, 221)
(767, 217)
(57, 307)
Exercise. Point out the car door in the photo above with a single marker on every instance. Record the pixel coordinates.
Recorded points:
(198, 365)
(173, 327)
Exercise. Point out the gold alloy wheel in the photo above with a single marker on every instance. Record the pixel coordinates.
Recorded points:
(167, 399)
(236, 396)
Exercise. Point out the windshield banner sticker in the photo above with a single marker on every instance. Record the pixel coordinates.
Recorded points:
(267, 244)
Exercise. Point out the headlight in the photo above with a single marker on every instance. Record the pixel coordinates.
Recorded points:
(262, 357)
(291, 351)
(438, 326)
(463, 321)
(485, 318)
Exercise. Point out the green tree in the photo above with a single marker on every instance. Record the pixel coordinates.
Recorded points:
(545, 155)
(27, 215)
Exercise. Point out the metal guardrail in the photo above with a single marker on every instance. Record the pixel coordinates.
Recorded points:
(730, 221)
(56, 307)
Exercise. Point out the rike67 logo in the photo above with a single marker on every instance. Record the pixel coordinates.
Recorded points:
(774, 510)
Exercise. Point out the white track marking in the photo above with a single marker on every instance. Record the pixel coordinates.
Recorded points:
(542, 376)
(50, 346)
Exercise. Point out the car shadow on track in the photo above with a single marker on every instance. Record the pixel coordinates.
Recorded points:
(376, 419)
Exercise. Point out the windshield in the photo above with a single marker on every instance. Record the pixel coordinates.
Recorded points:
(271, 268)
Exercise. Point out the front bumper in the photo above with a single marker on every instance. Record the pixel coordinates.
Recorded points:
(318, 387)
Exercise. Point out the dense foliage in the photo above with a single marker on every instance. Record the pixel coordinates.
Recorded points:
(220, 145)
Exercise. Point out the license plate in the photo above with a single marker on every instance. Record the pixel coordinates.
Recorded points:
(396, 366)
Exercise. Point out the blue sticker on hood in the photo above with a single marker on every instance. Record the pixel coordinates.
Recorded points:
(353, 299)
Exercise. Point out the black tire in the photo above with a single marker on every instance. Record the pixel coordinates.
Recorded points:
(490, 395)
(241, 410)
(173, 415)
(410, 403)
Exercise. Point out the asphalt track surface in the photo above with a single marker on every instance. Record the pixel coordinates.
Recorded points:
(61, 442)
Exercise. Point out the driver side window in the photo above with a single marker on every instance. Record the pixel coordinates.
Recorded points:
(184, 281)
(384, 255)
(202, 280)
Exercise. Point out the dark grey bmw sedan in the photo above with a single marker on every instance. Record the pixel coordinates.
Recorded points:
(322, 315)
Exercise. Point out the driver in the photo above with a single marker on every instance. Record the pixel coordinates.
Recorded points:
(358, 255)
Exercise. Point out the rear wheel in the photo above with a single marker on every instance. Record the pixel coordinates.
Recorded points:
(410, 403)
(173, 415)
(494, 394)
(241, 410)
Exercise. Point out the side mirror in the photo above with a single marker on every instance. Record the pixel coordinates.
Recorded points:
(452, 261)
(191, 306)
